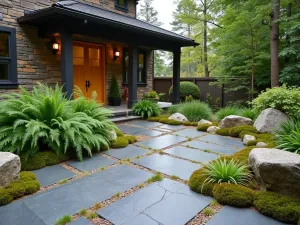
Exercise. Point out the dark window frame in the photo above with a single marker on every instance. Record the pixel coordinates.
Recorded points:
(142, 83)
(12, 81)
(121, 8)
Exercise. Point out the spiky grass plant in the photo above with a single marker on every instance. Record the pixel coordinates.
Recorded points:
(30, 120)
(226, 171)
(146, 109)
(288, 136)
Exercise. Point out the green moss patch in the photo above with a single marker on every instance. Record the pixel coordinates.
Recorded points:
(5, 197)
(119, 133)
(120, 142)
(223, 131)
(235, 131)
(233, 195)
(203, 127)
(196, 182)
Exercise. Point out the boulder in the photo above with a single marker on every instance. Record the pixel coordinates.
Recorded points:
(233, 121)
(10, 167)
(212, 129)
(204, 122)
(261, 144)
(269, 120)
(276, 170)
(178, 117)
(113, 135)
(248, 138)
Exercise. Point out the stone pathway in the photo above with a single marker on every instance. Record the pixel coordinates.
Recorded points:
(121, 191)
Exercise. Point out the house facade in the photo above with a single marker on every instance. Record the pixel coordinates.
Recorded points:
(81, 44)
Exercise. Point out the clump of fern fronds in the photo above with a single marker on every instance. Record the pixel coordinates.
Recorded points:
(46, 117)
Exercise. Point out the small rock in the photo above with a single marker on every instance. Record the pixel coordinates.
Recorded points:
(212, 129)
(178, 117)
(233, 121)
(10, 167)
(248, 138)
(113, 135)
(276, 170)
(269, 120)
(204, 122)
(261, 144)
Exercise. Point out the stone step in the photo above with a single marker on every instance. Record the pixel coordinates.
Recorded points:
(124, 118)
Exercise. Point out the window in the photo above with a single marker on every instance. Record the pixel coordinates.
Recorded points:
(8, 58)
(121, 5)
(142, 76)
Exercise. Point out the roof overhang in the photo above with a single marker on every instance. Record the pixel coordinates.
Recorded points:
(81, 21)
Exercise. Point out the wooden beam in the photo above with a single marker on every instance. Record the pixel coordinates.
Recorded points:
(67, 62)
(132, 75)
(176, 76)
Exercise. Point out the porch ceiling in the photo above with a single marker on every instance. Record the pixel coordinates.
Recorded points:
(80, 18)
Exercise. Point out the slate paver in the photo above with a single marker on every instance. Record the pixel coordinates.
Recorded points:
(162, 130)
(228, 150)
(81, 221)
(168, 165)
(145, 124)
(192, 133)
(136, 208)
(129, 152)
(221, 140)
(162, 141)
(139, 131)
(52, 174)
(191, 154)
(96, 162)
(172, 127)
(69, 198)
(237, 216)
(17, 213)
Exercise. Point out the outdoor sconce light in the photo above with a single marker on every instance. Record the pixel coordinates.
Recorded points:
(116, 54)
(55, 46)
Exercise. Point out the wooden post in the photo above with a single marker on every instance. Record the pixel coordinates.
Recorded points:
(132, 76)
(176, 76)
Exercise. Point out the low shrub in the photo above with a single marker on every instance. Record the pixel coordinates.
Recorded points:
(235, 131)
(196, 183)
(248, 113)
(5, 197)
(223, 131)
(233, 195)
(285, 99)
(120, 142)
(203, 127)
(131, 139)
(278, 206)
(146, 109)
(189, 98)
(288, 136)
(187, 89)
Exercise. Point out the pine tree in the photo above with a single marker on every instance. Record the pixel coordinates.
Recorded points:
(148, 14)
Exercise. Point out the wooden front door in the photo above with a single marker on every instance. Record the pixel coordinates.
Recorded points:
(89, 71)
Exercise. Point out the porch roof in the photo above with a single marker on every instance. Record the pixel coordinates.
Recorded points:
(70, 9)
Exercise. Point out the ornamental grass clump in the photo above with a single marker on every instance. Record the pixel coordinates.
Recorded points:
(45, 118)
(288, 136)
(146, 109)
(226, 171)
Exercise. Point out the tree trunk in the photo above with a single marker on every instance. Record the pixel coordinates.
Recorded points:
(274, 43)
(205, 38)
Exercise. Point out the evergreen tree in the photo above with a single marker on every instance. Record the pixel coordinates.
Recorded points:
(148, 14)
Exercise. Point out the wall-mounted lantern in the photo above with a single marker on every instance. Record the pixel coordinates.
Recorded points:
(116, 54)
(55, 46)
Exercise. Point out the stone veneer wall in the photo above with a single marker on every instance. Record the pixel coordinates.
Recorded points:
(36, 63)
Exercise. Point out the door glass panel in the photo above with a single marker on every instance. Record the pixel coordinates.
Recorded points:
(4, 71)
(94, 57)
(78, 55)
(4, 45)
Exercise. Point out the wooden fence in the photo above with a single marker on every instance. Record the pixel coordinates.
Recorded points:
(163, 84)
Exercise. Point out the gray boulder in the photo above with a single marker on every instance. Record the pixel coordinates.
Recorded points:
(248, 138)
(178, 117)
(233, 121)
(203, 121)
(10, 167)
(261, 144)
(212, 129)
(269, 120)
(276, 170)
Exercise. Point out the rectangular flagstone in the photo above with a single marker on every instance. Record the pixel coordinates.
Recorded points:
(128, 152)
(81, 221)
(68, 199)
(221, 140)
(17, 213)
(141, 219)
(228, 150)
(96, 162)
(172, 127)
(191, 154)
(237, 216)
(192, 133)
(168, 165)
(144, 123)
(52, 174)
(138, 131)
(161, 142)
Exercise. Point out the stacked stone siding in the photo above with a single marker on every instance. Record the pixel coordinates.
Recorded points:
(36, 61)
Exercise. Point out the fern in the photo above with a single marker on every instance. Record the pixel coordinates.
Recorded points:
(46, 116)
